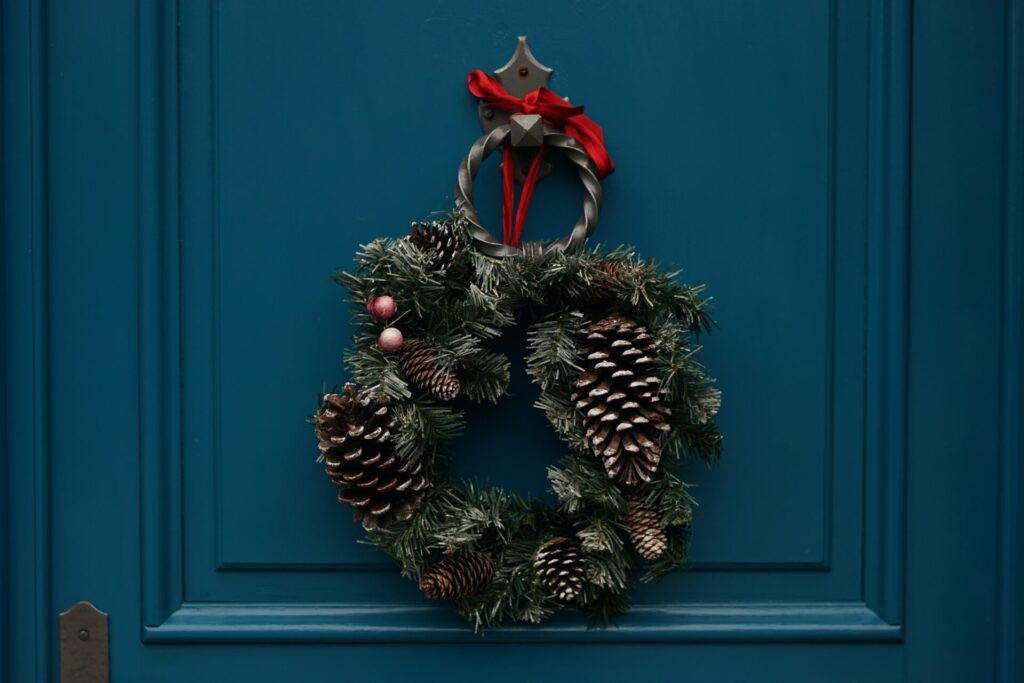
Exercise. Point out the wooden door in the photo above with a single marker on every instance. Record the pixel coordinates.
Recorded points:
(182, 177)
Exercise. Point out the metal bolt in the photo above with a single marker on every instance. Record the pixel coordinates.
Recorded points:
(524, 72)
(83, 634)
(488, 114)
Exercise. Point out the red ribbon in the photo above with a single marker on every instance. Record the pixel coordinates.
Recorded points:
(556, 112)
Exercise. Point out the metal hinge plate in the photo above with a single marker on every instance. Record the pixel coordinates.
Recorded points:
(84, 649)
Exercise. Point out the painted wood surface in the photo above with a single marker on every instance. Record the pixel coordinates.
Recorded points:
(181, 177)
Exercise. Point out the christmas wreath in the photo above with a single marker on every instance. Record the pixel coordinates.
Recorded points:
(612, 342)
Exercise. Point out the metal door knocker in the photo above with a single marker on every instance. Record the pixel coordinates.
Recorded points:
(521, 116)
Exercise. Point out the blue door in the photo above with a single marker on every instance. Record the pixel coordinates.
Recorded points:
(181, 178)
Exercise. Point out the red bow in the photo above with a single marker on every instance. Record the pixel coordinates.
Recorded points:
(553, 109)
(556, 112)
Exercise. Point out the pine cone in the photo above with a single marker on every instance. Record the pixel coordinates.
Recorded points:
(457, 577)
(606, 274)
(559, 564)
(419, 367)
(354, 442)
(645, 530)
(618, 395)
(438, 238)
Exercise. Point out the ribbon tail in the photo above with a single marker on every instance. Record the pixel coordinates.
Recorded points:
(508, 193)
(591, 138)
(527, 195)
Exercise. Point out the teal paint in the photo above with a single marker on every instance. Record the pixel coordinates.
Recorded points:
(1010, 598)
(180, 179)
(26, 287)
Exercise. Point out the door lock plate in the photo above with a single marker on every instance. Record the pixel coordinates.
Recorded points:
(84, 648)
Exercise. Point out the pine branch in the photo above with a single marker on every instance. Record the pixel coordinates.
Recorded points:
(485, 375)
(516, 592)
(481, 510)
(604, 606)
(702, 440)
(411, 543)
(583, 487)
(670, 496)
(423, 426)
(378, 372)
(564, 417)
(553, 356)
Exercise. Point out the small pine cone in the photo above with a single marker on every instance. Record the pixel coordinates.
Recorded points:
(560, 566)
(419, 367)
(606, 274)
(618, 396)
(355, 444)
(457, 577)
(439, 239)
(645, 530)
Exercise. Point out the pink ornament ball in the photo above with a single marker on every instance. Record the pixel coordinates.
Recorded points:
(390, 340)
(383, 308)
(369, 305)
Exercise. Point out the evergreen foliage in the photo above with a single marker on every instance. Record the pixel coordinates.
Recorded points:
(473, 299)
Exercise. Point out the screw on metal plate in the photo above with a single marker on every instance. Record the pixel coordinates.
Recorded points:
(84, 648)
(519, 76)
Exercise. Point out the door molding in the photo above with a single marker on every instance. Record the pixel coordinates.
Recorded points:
(26, 636)
(168, 616)
(1010, 603)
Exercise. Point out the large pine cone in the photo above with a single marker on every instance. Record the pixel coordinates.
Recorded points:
(559, 564)
(645, 530)
(419, 367)
(355, 443)
(618, 395)
(438, 239)
(457, 577)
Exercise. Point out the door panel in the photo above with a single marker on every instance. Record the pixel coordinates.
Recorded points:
(287, 166)
(183, 177)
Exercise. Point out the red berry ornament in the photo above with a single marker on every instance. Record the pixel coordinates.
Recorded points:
(390, 340)
(383, 308)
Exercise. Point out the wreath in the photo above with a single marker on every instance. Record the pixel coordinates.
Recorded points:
(612, 344)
